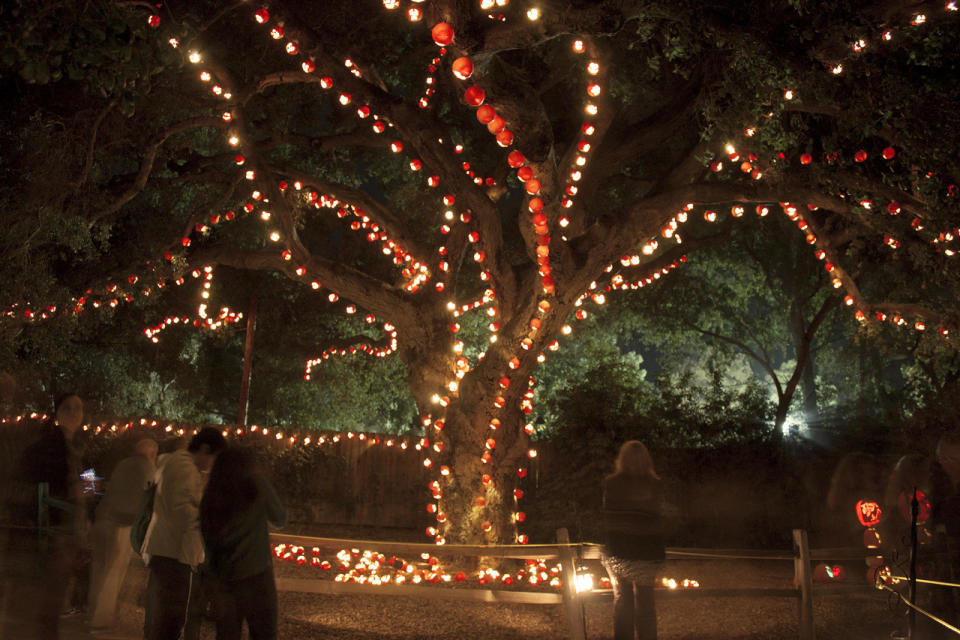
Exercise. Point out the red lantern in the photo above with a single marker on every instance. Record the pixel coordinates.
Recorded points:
(486, 113)
(860, 156)
(154, 21)
(462, 68)
(888, 153)
(515, 159)
(525, 173)
(505, 138)
(474, 96)
(496, 125)
(532, 186)
(869, 513)
(442, 34)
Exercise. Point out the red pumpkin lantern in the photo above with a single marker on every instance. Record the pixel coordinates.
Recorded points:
(474, 96)
(496, 125)
(486, 113)
(442, 34)
(462, 68)
(869, 513)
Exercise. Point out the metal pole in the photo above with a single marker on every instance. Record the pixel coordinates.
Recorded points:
(912, 615)
(247, 362)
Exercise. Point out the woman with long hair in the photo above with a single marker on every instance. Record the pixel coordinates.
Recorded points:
(634, 550)
(237, 507)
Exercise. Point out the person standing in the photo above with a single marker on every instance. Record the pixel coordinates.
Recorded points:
(38, 598)
(110, 535)
(633, 540)
(173, 548)
(237, 508)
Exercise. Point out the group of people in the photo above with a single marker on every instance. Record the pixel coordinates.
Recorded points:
(207, 543)
(208, 534)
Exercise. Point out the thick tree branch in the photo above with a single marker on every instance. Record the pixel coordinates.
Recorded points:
(147, 161)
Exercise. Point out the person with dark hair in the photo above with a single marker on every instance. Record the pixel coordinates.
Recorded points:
(173, 548)
(633, 540)
(237, 508)
(52, 460)
(111, 530)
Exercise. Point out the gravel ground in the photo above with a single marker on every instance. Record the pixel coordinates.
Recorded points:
(345, 617)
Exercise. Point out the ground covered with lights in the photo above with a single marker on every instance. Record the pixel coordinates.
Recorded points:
(680, 616)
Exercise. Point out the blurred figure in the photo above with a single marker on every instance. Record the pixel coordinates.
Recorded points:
(858, 477)
(235, 513)
(37, 597)
(945, 520)
(633, 539)
(911, 472)
(111, 531)
(173, 549)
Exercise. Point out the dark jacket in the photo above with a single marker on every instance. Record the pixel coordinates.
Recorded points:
(632, 517)
(241, 548)
(50, 459)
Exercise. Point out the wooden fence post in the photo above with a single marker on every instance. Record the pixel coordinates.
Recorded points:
(804, 578)
(571, 600)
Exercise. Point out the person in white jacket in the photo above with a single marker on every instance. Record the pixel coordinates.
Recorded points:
(173, 548)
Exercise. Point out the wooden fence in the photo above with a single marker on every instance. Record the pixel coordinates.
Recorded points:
(569, 556)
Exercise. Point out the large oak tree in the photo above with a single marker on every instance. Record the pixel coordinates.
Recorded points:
(471, 180)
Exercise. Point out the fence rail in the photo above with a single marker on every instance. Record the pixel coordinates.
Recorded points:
(570, 555)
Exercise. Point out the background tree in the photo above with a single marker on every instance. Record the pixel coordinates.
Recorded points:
(344, 152)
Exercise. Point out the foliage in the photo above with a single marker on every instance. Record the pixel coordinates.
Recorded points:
(118, 175)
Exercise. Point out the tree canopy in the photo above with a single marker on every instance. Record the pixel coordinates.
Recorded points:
(462, 181)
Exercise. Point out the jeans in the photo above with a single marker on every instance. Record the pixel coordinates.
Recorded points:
(168, 590)
(253, 599)
(634, 610)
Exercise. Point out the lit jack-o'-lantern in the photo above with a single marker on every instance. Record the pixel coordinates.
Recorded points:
(869, 513)
(442, 34)
(829, 573)
(462, 68)
(474, 96)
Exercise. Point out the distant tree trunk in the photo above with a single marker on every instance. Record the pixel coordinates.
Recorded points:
(808, 375)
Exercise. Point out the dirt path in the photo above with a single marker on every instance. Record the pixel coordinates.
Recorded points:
(307, 616)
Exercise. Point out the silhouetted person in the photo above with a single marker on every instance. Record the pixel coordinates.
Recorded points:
(37, 597)
(634, 550)
(237, 507)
